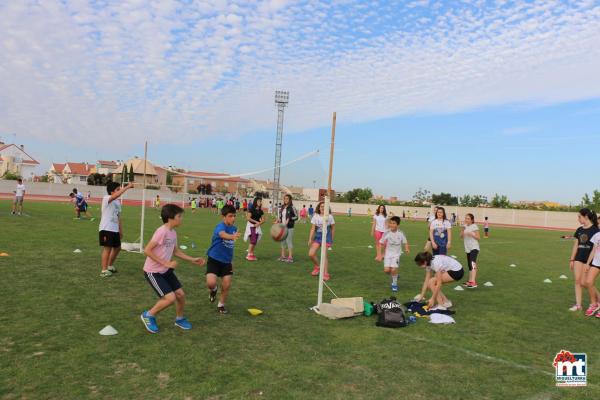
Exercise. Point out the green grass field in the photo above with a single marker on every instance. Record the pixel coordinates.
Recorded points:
(501, 347)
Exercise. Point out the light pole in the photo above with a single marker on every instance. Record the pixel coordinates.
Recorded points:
(281, 101)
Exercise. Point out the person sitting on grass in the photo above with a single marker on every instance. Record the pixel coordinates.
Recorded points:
(446, 270)
(159, 269)
(220, 257)
(111, 231)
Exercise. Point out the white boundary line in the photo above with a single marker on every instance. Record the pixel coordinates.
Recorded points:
(488, 357)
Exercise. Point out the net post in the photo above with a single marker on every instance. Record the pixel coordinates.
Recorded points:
(143, 199)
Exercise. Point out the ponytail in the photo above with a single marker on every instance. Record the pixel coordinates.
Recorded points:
(589, 214)
(424, 257)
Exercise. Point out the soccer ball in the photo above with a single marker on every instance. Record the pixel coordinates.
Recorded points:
(279, 232)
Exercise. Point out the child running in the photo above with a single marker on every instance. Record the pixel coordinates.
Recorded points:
(440, 233)
(311, 211)
(394, 239)
(378, 228)
(194, 204)
(111, 230)
(446, 270)
(255, 217)
(220, 257)
(580, 254)
(287, 215)
(315, 239)
(159, 269)
(591, 275)
(470, 233)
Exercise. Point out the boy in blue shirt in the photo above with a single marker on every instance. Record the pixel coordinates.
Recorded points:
(220, 256)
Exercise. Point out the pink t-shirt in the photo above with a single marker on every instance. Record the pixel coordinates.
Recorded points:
(166, 240)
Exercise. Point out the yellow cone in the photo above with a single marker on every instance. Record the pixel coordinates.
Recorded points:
(254, 311)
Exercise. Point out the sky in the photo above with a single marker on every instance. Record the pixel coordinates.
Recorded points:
(476, 97)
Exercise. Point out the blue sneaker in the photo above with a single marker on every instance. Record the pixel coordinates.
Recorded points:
(183, 323)
(394, 288)
(149, 322)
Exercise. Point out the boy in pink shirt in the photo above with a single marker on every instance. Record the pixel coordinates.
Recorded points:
(159, 269)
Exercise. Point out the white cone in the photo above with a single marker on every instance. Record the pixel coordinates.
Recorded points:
(108, 331)
(563, 277)
(76, 251)
(329, 249)
(547, 280)
(459, 288)
(183, 247)
(513, 265)
(453, 256)
(489, 284)
(370, 247)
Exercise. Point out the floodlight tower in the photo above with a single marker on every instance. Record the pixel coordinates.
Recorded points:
(281, 101)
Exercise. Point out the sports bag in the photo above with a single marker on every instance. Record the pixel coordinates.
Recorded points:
(391, 314)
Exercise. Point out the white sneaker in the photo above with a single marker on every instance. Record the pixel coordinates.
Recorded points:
(575, 307)
(447, 304)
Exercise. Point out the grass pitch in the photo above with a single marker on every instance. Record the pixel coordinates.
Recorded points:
(501, 347)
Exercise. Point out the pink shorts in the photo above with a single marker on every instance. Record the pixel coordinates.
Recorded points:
(378, 236)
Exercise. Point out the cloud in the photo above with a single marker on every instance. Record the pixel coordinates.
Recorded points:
(168, 70)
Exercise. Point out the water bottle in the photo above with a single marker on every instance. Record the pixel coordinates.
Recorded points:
(412, 319)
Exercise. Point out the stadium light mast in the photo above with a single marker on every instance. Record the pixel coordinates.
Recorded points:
(281, 101)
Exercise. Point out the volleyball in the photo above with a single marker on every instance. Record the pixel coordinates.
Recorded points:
(279, 232)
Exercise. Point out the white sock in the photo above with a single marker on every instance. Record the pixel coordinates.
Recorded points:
(394, 279)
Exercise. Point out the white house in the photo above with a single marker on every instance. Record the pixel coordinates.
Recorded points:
(106, 167)
(14, 159)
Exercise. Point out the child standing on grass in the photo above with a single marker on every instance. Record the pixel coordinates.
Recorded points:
(255, 217)
(19, 197)
(311, 211)
(159, 269)
(440, 233)
(395, 239)
(315, 239)
(194, 205)
(220, 257)
(582, 247)
(111, 230)
(303, 213)
(486, 228)
(591, 275)
(378, 229)
(287, 215)
(446, 270)
(470, 234)
(157, 203)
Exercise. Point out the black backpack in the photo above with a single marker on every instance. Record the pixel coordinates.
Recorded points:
(391, 314)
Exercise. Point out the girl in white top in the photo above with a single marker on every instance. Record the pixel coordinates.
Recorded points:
(315, 239)
(378, 228)
(446, 270)
(592, 273)
(470, 233)
(440, 233)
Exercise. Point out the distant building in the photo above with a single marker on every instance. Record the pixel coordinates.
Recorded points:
(15, 160)
(77, 173)
(215, 183)
(155, 176)
(106, 167)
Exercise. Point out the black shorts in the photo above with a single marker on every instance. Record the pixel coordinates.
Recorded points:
(110, 239)
(163, 284)
(456, 275)
(486, 230)
(472, 258)
(594, 265)
(218, 268)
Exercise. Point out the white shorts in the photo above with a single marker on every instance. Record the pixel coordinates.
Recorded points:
(391, 261)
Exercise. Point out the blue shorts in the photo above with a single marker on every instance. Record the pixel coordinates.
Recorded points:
(82, 207)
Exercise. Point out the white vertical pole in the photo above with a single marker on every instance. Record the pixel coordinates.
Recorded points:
(143, 199)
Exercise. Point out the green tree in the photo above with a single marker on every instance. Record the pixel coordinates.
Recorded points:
(422, 196)
(593, 202)
(131, 174)
(445, 199)
(124, 174)
(473, 201)
(358, 195)
(500, 201)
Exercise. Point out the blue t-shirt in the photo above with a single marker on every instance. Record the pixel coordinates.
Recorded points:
(221, 249)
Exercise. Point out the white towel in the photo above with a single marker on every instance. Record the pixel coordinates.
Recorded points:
(436, 318)
(247, 232)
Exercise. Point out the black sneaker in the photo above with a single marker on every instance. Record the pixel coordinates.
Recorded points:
(222, 310)
(213, 295)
